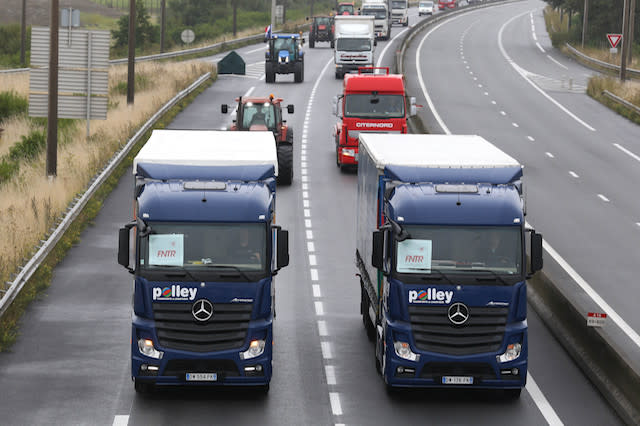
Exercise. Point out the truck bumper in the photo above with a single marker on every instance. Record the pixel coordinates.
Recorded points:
(479, 371)
(225, 368)
(345, 68)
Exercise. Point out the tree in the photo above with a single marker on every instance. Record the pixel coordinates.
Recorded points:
(146, 33)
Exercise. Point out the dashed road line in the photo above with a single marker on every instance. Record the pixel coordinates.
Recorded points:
(121, 420)
(322, 329)
(319, 308)
(543, 405)
(317, 293)
(330, 372)
(531, 138)
(603, 198)
(626, 151)
(557, 63)
(548, 154)
(326, 350)
(573, 174)
(335, 403)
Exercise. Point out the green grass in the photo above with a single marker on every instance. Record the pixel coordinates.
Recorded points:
(599, 84)
(12, 104)
(94, 21)
(41, 279)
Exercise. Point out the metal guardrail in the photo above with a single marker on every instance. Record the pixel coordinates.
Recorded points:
(32, 265)
(621, 101)
(14, 70)
(596, 63)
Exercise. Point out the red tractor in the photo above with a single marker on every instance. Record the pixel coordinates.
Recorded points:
(264, 114)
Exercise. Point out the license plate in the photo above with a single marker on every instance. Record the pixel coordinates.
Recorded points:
(202, 377)
(457, 380)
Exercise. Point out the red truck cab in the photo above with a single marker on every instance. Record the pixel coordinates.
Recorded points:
(372, 103)
(346, 9)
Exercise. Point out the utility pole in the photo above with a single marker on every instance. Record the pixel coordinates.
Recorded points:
(131, 71)
(632, 27)
(23, 34)
(163, 22)
(52, 114)
(235, 14)
(585, 18)
(273, 16)
(625, 41)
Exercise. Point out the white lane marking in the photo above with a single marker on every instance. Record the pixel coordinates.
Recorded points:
(523, 74)
(304, 178)
(494, 102)
(530, 138)
(534, 34)
(557, 63)
(322, 329)
(305, 186)
(603, 198)
(303, 158)
(330, 372)
(336, 408)
(307, 223)
(638, 223)
(486, 93)
(314, 274)
(540, 47)
(305, 194)
(312, 260)
(515, 124)
(316, 290)
(303, 163)
(548, 154)
(307, 213)
(480, 86)
(326, 350)
(573, 174)
(503, 113)
(611, 313)
(543, 405)
(305, 203)
(319, 308)
(389, 43)
(255, 50)
(626, 151)
(311, 247)
(262, 77)
(309, 234)
(121, 420)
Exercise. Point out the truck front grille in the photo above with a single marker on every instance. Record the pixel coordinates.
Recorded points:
(178, 329)
(435, 370)
(180, 367)
(433, 332)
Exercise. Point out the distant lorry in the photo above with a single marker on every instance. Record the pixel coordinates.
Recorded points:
(447, 4)
(379, 9)
(206, 250)
(400, 12)
(354, 43)
(346, 8)
(369, 103)
(322, 29)
(442, 261)
(284, 55)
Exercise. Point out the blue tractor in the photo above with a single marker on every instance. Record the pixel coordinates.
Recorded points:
(284, 56)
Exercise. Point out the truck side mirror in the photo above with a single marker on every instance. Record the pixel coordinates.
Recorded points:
(335, 105)
(282, 250)
(290, 109)
(123, 245)
(536, 252)
(224, 108)
(377, 254)
(412, 109)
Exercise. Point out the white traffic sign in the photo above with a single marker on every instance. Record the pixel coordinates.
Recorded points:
(614, 39)
(188, 36)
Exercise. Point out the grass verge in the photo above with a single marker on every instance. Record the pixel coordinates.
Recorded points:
(629, 91)
(41, 279)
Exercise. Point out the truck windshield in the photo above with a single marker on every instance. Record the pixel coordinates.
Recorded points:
(377, 13)
(323, 21)
(469, 250)
(258, 114)
(399, 5)
(200, 247)
(353, 44)
(345, 9)
(374, 106)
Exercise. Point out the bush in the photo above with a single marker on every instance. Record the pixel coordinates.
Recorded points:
(29, 147)
(10, 45)
(12, 104)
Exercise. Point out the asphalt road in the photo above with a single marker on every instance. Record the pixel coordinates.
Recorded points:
(71, 365)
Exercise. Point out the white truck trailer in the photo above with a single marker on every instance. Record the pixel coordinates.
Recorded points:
(354, 43)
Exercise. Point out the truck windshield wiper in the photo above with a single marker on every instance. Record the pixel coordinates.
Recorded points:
(442, 275)
(184, 272)
(242, 273)
(498, 277)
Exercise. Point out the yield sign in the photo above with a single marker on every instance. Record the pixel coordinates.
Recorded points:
(614, 39)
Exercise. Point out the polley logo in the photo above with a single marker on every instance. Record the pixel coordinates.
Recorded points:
(430, 295)
(175, 292)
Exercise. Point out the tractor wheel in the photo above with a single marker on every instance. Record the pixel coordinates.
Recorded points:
(285, 164)
(270, 75)
(290, 136)
(299, 72)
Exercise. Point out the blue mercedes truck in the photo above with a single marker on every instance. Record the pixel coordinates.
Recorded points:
(205, 251)
(441, 253)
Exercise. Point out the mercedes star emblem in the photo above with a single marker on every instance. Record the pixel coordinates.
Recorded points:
(458, 313)
(202, 310)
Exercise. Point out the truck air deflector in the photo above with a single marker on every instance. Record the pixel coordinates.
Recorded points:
(494, 175)
(187, 172)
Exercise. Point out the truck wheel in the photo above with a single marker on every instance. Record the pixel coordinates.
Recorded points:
(290, 135)
(512, 393)
(406, 24)
(338, 75)
(333, 44)
(368, 326)
(143, 388)
(285, 164)
(312, 42)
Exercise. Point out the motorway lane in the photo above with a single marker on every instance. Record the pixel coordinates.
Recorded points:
(579, 182)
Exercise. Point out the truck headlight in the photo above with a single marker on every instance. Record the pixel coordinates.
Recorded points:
(512, 352)
(349, 152)
(256, 348)
(145, 346)
(403, 350)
